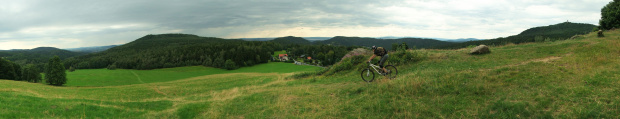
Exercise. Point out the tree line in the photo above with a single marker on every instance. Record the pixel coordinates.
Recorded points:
(555, 32)
(54, 70)
(176, 50)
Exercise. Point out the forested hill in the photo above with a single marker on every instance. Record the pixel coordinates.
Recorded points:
(555, 32)
(36, 55)
(91, 49)
(387, 43)
(291, 40)
(175, 50)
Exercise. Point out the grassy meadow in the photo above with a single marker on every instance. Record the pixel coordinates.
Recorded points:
(575, 78)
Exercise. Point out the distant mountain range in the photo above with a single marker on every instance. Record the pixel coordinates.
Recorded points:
(312, 39)
(187, 49)
(561, 31)
(91, 49)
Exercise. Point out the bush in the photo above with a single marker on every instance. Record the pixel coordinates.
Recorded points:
(609, 16)
(406, 57)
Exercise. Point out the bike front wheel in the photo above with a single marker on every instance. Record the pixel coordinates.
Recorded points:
(391, 71)
(368, 75)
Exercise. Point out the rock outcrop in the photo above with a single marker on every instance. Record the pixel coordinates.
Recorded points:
(481, 49)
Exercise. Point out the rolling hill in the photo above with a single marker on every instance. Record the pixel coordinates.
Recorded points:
(554, 32)
(176, 50)
(387, 43)
(576, 78)
(37, 56)
(91, 49)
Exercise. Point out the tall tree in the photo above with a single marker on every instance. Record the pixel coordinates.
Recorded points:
(31, 74)
(610, 15)
(55, 73)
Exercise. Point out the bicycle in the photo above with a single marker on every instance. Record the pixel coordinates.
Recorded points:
(369, 76)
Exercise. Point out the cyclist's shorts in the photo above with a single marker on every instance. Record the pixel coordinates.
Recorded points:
(383, 60)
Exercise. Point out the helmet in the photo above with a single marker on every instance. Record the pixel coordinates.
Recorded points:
(374, 47)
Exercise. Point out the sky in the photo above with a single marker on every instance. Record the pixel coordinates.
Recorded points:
(27, 24)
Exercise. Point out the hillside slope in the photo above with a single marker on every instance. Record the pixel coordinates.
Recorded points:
(554, 32)
(575, 78)
(176, 50)
(387, 43)
(566, 79)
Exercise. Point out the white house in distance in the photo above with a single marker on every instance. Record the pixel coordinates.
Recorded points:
(283, 57)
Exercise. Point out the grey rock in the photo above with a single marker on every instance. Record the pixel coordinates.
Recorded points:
(481, 49)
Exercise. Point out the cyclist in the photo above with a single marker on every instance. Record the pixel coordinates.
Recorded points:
(379, 51)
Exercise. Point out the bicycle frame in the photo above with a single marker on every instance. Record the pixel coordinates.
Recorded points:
(375, 67)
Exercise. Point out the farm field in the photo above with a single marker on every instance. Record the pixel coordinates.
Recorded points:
(575, 78)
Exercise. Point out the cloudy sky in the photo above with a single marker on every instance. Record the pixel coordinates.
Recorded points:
(26, 24)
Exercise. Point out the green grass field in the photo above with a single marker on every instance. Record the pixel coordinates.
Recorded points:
(104, 77)
(576, 78)
(275, 54)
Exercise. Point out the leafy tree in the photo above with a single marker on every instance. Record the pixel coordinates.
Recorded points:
(7, 70)
(218, 62)
(71, 69)
(610, 15)
(395, 46)
(31, 74)
(55, 73)
(404, 46)
(18, 72)
(230, 65)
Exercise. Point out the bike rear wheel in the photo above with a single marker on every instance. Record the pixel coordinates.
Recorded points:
(368, 75)
(391, 71)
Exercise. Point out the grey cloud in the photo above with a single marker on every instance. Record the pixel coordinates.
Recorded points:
(193, 16)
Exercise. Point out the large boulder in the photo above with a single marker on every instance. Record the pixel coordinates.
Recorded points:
(481, 49)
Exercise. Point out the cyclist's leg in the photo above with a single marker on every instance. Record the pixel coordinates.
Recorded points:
(382, 61)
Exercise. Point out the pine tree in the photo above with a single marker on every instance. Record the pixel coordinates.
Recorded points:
(55, 73)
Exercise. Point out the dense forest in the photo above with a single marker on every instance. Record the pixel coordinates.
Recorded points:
(175, 50)
(289, 40)
(37, 56)
(555, 32)
(326, 54)
(387, 43)
(364, 42)
(91, 49)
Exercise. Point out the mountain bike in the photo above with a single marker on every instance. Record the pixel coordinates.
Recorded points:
(368, 75)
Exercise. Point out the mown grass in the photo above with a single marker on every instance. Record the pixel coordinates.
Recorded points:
(104, 77)
(575, 78)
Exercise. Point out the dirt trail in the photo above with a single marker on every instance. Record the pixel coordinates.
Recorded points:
(139, 79)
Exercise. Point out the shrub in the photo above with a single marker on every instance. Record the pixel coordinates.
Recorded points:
(406, 57)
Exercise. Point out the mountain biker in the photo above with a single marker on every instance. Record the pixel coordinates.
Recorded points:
(379, 51)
